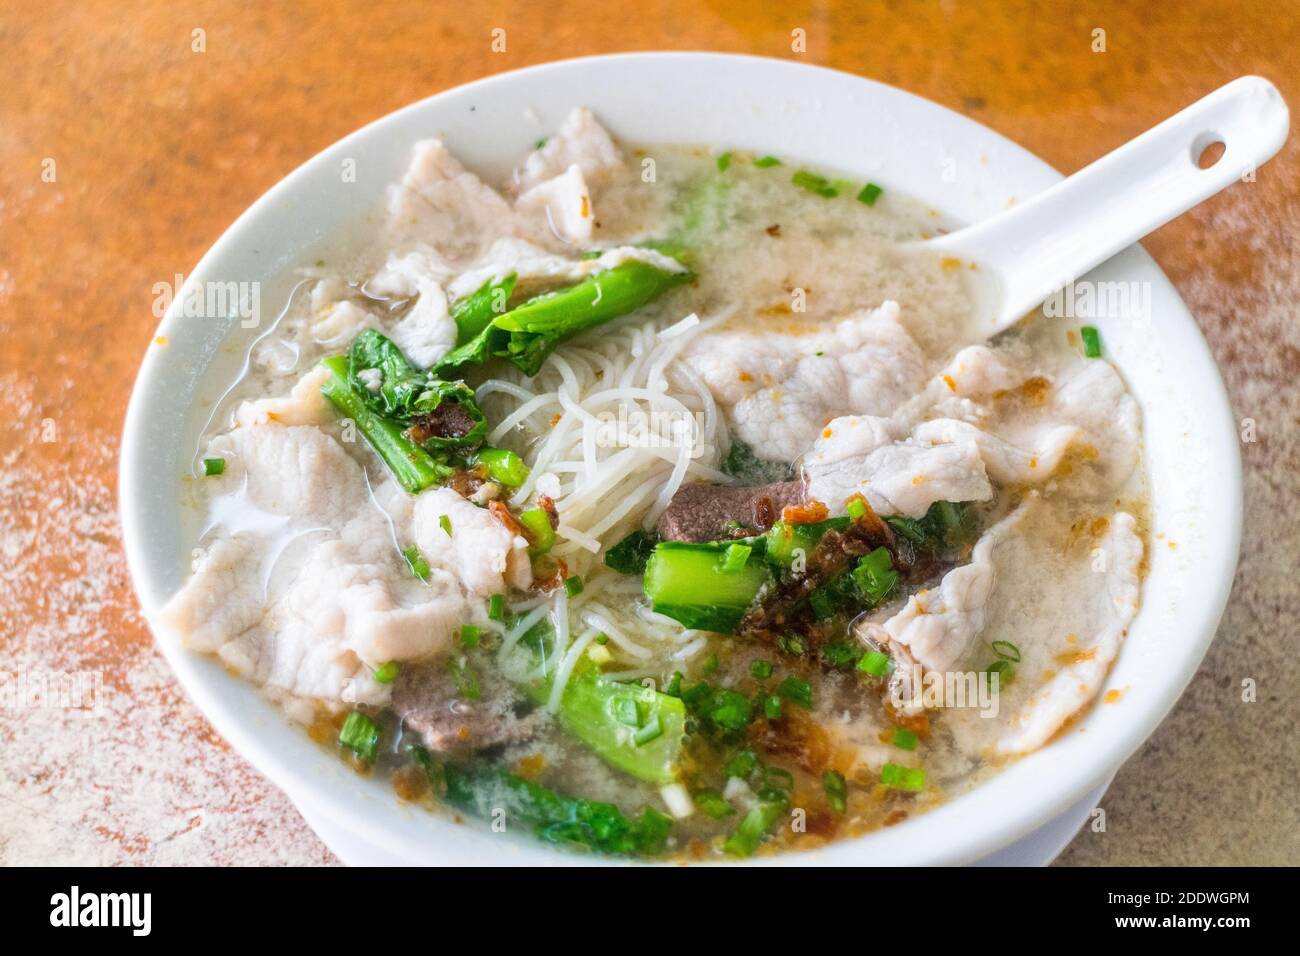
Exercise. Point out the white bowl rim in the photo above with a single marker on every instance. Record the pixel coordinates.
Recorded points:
(974, 829)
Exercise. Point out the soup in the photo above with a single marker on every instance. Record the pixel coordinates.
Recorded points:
(659, 503)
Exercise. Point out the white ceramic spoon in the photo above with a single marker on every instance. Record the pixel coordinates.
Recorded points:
(1043, 244)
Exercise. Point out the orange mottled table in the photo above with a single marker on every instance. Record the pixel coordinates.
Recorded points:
(125, 150)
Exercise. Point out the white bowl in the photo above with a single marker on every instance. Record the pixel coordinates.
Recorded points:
(768, 106)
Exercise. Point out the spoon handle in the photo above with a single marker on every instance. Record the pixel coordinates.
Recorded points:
(1053, 238)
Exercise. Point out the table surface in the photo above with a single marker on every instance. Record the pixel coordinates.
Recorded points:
(155, 148)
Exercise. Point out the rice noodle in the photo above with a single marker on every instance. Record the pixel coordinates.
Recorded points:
(610, 428)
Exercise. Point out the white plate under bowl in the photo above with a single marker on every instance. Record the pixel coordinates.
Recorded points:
(806, 114)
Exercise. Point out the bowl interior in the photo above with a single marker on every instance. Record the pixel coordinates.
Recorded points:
(807, 114)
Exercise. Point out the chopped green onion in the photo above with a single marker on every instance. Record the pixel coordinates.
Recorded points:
(815, 184)
(760, 669)
(772, 707)
(444, 522)
(792, 643)
(779, 778)
(837, 790)
(904, 739)
(625, 712)
(674, 688)
(735, 557)
(874, 663)
(741, 765)
(724, 160)
(713, 804)
(415, 561)
(730, 711)
(652, 730)
(601, 638)
(538, 523)
(763, 162)
(1005, 671)
(1006, 650)
(213, 466)
(710, 665)
(573, 586)
(497, 607)
(870, 193)
(797, 691)
(902, 778)
(470, 635)
(630, 555)
(1091, 341)
(503, 466)
(386, 673)
(360, 734)
(838, 654)
(856, 507)
(464, 678)
(756, 825)
(875, 576)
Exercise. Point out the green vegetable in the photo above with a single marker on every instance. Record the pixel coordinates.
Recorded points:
(503, 466)
(713, 804)
(874, 663)
(684, 582)
(497, 607)
(744, 763)
(214, 466)
(856, 507)
(756, 825)
(608, 715)
(474, 313)
(1091, 341)
(538, 525)
(763, 162)
(415, 561)
(470, 636)
(784, 542)
(771, 707)
(528, 333)
(875, 576)
(839, 654)
(741, 463)
(735, 557)
(946, 524)
(651, 730)
(413, 467)
(710, 664)
(718, 711)
(902, 778)
(792, 642)
(1006, 650)
(573, 586)
(360, 734)
(444, 522)
(465, 679)
(797, 691)
(387, 673)
(724, 161)
(630, 555)
(837, 790)
(1005, 670)
(815, 184)
(587, 824)
(904, 739)
(870, 193)
(407, 392)
(760, 669)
